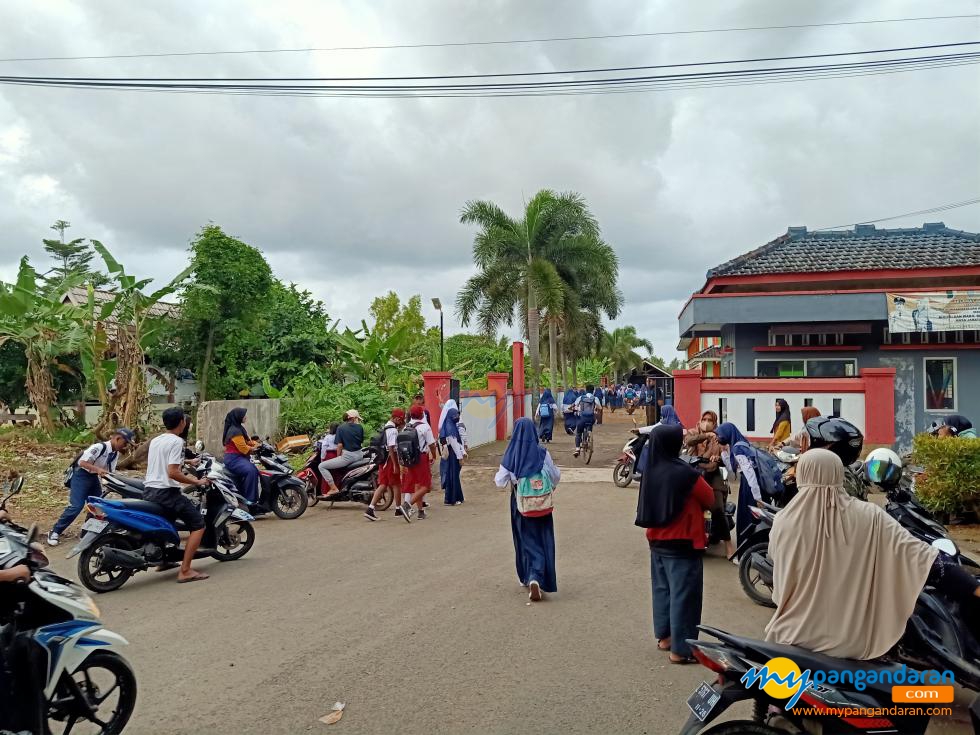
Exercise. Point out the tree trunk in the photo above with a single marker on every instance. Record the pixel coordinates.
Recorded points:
(574, 371)
(40, 391)
(564, 365)
(202, 395)
(553, 352)
(534, 336)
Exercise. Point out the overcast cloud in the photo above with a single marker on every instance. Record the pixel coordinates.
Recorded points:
(350, 198)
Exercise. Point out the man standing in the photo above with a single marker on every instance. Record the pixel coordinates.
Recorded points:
(389, 474)
(350, 439)
(417, 479)
(586, 407)
(163, 481)
(92, 464)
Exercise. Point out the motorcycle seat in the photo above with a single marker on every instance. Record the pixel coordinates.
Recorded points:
(132, 482)
(355, 465)
(145, 506)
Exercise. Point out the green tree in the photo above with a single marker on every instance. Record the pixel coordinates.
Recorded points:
(230, 287)
(72, 259)
(529, 265)
(390, 316)
(620, 346)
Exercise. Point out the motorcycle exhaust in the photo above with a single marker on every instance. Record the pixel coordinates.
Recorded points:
(123, 558)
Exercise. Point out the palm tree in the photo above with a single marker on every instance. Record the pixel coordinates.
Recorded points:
(532, 264)
(620, 347)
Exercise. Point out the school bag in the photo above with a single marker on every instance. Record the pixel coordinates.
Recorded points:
(408, 447)
(587, 407)
(535, 495)
(70, 471)
(379, 444)
(545, 410)
(766, 470)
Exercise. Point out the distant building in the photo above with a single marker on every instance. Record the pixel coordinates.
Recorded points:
(824, 306)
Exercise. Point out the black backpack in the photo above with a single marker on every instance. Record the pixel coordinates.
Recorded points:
(408, 447)
(587, 406)
(380, 445)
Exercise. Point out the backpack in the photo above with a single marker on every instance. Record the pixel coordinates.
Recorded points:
(535, 495)
(587, 407)
(407, 446)
(766, 470)
(70, 471)
(544, 409)
(379, 444)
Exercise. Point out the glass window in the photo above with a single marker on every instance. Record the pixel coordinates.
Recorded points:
(831, 368)
(940, 375)
(750, 414)
(779, 368)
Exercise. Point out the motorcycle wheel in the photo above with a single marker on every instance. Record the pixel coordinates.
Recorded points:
(742, 727)
(752, 584)
(90, 572)
(234, 541)
(387, 498)
(623, 474)
(290, 502)
(83, 695)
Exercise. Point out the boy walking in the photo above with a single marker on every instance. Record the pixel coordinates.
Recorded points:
(389, 475)
(98, 460)
(417, 479)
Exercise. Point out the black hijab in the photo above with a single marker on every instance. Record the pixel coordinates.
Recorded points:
(782, 416)
(233, 424)
(667, 479)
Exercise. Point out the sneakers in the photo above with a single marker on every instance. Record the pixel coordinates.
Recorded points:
(407, 511)
(577, 453)
(534, 593)
(398, 511)
(425, 503)
(422, 515)
(54, 539)
(370, 514)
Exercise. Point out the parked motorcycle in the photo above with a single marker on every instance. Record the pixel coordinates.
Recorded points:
(356, 482)
(626, 464)
(754, 565)
(51, 629)
(122, 537)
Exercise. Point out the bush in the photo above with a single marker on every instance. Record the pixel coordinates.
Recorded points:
(309, 408)
(951, 482)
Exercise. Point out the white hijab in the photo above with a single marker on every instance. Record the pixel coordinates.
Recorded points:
(447, 406)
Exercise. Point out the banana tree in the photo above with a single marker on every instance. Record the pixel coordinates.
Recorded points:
(371, 355)
(45, 327)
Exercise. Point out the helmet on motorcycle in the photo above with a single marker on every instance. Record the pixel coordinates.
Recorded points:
(883, 467)
(839, 436)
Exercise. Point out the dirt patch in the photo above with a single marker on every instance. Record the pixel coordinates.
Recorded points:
(42, 465)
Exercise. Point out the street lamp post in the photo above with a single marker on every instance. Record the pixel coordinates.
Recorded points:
(442, 337)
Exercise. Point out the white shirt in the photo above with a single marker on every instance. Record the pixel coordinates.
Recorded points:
(505, 477)
(391, 435)
(106, 461)
(578, 401)
(327, 444)
(426, 437)
(165, 450)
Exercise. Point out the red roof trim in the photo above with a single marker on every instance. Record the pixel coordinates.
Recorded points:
(809, 348)
(782, 385)
(934, 346)
(868, 275)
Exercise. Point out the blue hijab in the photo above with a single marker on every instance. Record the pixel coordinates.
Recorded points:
(729, 435)
(669, 417)
(569, 397)
(546, 397)
(449, 421)
(524, 456)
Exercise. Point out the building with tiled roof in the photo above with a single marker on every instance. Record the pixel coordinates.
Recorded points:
(831, 304)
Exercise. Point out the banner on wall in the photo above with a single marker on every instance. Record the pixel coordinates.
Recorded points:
(941, 311)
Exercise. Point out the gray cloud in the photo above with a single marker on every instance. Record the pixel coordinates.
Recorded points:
(351, 198)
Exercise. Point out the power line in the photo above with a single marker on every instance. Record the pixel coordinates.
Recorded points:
(448, 44)
(931, 210)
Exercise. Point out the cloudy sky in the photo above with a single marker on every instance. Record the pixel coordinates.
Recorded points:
(351, 197)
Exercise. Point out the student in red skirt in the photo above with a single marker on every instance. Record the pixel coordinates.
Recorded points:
(417, 480)
(389, 474)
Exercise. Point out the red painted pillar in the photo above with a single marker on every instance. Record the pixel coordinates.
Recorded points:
(879, 405)
(497, 383)
(518, 382)
(436, 394)
(687, 395)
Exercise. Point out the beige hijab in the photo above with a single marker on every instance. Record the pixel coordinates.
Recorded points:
(846, 574)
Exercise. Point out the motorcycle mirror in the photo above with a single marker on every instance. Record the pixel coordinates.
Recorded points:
(17, 485)
(946, 546)
(198, 446)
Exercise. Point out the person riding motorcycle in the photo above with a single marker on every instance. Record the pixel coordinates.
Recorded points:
(846, 441)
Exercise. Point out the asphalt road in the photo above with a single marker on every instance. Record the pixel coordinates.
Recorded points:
(420, 628)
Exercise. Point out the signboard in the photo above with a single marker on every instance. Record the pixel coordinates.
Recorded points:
(942, 311)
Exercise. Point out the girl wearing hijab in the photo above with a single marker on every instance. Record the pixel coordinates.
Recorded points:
(801, 440)
(673, 498)
(737, 454)
(701, 441)
(453, 453)
(567, 401)
(237, 449)
(669, 417)
(546, 416)
(534, 537)
(856, 601)
(782, 427)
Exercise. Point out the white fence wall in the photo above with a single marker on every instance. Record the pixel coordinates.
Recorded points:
(736, 408)
(479, 415)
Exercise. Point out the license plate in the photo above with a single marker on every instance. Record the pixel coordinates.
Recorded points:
(703, 700)
(94, 525)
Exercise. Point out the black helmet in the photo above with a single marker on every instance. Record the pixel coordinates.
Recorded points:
(839, 436)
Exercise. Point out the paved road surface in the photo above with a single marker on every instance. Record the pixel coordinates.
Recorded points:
(420, 628)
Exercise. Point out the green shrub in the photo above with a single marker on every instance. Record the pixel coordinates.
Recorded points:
(951, 482)
(312, 401)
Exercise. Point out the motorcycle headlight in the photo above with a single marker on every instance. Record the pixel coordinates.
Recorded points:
(72, 593)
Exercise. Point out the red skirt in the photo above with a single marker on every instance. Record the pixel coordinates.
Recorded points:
(418, 477)
(388, 474)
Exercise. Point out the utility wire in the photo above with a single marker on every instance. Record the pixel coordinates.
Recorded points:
(552, 39)
(931, 210)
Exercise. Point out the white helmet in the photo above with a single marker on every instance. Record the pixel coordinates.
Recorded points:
(883, 467)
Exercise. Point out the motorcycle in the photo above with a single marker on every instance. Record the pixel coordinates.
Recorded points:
(754, 565)
(122, 537)
(279, 489)
(53, 627)
(356, 482)
(625, 469)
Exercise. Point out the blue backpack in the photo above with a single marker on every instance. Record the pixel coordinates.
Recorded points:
(587, 407)
(766, 470)
(545, 409)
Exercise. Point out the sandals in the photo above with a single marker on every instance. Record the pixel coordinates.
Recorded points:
(682, 659)
(663, 644)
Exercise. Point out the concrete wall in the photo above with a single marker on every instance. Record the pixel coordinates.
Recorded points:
(734, 407)
(479, 413)
(262, 419)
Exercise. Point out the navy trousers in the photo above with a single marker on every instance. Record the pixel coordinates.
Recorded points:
(677, 581)
(546, 427)
(83, 484)
(246, 475)
(449, 475)
(534, 548)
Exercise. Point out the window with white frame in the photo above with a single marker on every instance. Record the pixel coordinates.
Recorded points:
(812, 368)
(940, 383)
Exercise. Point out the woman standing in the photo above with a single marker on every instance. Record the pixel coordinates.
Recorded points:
(534, 536)
(546, 416)
(782, 427)
(672, 501)
(701, 441)
(453, 453)
(237, 449)
(737, 454)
